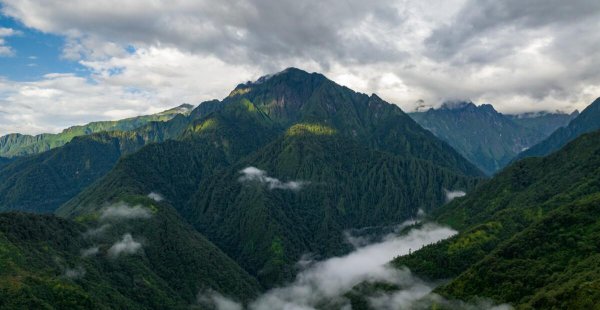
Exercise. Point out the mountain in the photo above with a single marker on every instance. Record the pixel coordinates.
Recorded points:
(4, 161)
(587, 121)
(12, 145)
(527, 237)
(152, 261)
(484, 136)
(282, 166)
(42, 182)
(543, 122)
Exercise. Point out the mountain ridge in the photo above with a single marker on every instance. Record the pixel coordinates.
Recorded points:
(15, 144)
(587, 121)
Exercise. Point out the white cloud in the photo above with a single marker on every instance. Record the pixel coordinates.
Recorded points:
(450, 195)
(148, 81)
(156, 196)
(125, 246)
(212, 299)
(122, 211)
(75, 273)
(98, 231)
(326, 282)
(253, 174)
(6, 50)
(90, 251)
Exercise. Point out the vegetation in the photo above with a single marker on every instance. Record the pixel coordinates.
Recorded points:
(42, 182)
(356, 161)
(587, 121)
(525, 234)
(542, 122)
(484, 136)
(13, 145)
(43, 265)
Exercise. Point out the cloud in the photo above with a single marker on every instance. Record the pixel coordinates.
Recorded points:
(6, 50)
(325, 283)
(328, 280)
(123, 211)
(214, 299)
(148, 81)
(263, 31)
(94, 232)
(90, 251)
(126, 246)
(75, 273)
(450, 195)
(156, 196)
(253, 174)
(519, 56)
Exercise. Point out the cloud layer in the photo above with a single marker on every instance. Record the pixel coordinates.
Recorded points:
(253, 174)
(519, 56)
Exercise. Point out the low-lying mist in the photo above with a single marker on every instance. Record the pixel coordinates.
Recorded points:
(324, 284)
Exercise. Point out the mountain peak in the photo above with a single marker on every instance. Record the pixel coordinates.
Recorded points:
(457, 105)
(184, 109)
(286, 73)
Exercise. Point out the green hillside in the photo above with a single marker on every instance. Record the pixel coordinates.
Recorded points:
(525, 235)
(339, 184)
(12, 145)
(51, 263)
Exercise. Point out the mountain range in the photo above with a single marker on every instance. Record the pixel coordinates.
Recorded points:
(484, 136)
(14, 145)
(227, 199)
(587, 121)
(279, 168)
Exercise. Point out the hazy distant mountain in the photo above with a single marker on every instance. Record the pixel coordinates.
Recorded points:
(587, 121)
(18, 145)
(528, 237)
(486, 137)
(543, 122)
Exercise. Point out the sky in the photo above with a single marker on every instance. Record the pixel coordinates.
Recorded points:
(71, 62)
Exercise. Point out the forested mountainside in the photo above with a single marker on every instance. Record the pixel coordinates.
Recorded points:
(527, 237)
(587, 121)
(42, 182)
(127, 257)
(285, 161)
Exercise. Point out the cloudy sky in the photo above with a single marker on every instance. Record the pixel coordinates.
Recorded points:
(71, 62)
